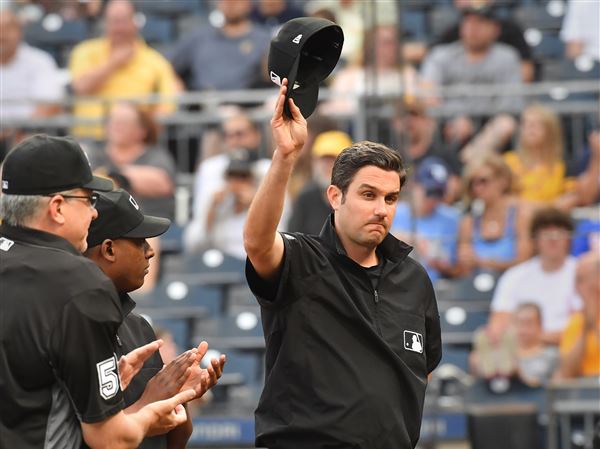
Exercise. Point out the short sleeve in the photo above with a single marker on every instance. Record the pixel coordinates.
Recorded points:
(570, 30)
(288, 286)
(47, 85)
(84, 358)
(504, 297)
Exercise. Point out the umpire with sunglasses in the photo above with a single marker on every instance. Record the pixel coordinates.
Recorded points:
(59, 381)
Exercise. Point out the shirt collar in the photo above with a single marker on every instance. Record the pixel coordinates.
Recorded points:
(37, 237)
(391, 248)
(127, 304)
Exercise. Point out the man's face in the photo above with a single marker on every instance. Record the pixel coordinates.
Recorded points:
(119, 22)
(478, 33)
(235, 11)
(365, 213)
(10, 37)
(238, 133)
(133, 261)
(78, 213)
(553, 243)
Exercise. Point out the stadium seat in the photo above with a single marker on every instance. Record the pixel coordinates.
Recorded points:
(441, 18)
(242, 331)
(545, 45)
(169, 8)
(55, 35)
(170, 241)
(581, 69)
(460, 319)
(478, 287)
(156, 30)
(543, 17)
(413, 25)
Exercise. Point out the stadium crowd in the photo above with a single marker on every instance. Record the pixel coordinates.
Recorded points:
(496, 185)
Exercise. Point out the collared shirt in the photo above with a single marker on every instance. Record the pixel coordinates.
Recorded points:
(133, 333)
(58, 360)
(346, 363)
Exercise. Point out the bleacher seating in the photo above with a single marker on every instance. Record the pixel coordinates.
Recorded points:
(55, 35)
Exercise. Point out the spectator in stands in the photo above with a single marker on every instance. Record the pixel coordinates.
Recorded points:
(476, 59)
(511, 34)
(581, 29)
(273, 13)
(239, 132)
(117, 65)
(537, 164)
(229, 206)
(311, 207)
(493, 234)
(428, 224)
(547, 279)
(31, 85)
(521, 353)
(223, 58)
(580, 342)
(133, 160)
(380, 72)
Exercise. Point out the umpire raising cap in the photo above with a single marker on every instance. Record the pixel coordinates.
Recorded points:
(59, 380)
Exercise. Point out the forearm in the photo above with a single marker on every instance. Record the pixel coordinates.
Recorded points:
(124, 430)
(267, 206)
(149, 181)
(179, 436)
(91, 81)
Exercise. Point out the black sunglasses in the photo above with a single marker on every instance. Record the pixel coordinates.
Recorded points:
(92, 198)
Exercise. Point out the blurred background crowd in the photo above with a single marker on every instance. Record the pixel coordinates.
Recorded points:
(494, 106)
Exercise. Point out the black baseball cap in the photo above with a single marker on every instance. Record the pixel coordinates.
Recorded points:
(487, 12)
(305, 51)
(119, 216)
(44, 164)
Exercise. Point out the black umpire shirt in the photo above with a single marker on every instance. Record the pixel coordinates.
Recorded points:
(58, 322)
(348, 348)
(133, 333)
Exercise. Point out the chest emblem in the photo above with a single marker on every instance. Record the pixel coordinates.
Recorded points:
(413, 341)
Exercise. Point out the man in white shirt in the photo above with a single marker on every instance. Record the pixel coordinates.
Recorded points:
(581, 29)
(548, 279)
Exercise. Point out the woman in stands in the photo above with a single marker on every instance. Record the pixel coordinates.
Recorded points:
(493, 233)
(537, 163)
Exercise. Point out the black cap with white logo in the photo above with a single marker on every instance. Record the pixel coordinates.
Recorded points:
(305, 51)
(119, 216)
(44, 164)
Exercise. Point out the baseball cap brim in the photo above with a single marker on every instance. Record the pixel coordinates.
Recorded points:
(99, 184)
(149, 227)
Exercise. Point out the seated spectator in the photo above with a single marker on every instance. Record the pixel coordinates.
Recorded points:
(477, 58)
(134, 160)
(580, 341)
(581, 29)
(511, 34)
(493, 234)
(547, 279)
(537, 163)
(229, 206)
(223, 58)
(427, 223)
(273, 13)
(311, 208)
(380, 73)
(521, 352)
(117, 65)
(239, 132)
(31, 85)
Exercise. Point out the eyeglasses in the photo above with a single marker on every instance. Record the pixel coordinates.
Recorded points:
(91, 198)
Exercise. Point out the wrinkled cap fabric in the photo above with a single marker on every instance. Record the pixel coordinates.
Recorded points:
(305, 51)
(43, 164)
(433, 175)
(119, 216)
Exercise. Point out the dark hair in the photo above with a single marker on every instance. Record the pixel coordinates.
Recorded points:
(550, 217)
(361, 154)
(532, 306)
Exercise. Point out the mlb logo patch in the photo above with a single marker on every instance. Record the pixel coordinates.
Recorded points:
(5, 244)
(413, 341)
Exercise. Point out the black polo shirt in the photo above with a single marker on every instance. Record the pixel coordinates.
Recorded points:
(133, 333)
(346, 363)
(58, 357)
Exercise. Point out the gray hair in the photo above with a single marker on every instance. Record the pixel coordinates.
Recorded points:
(19, 210)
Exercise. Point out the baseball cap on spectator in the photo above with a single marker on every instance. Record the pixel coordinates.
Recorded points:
(305, 51)
(241, 163)
(43, 164)
(487, 12)
(119, 216)
(330, 143)
(433, 175)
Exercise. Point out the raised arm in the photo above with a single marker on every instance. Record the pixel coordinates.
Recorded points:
(263, 244)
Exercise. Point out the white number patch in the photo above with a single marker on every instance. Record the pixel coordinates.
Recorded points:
(108, 377)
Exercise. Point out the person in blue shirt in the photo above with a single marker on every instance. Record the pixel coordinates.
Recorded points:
(426, 222)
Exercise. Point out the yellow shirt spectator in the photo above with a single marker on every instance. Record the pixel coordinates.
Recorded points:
(542, 183)
(147, 72)
(591, 358)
